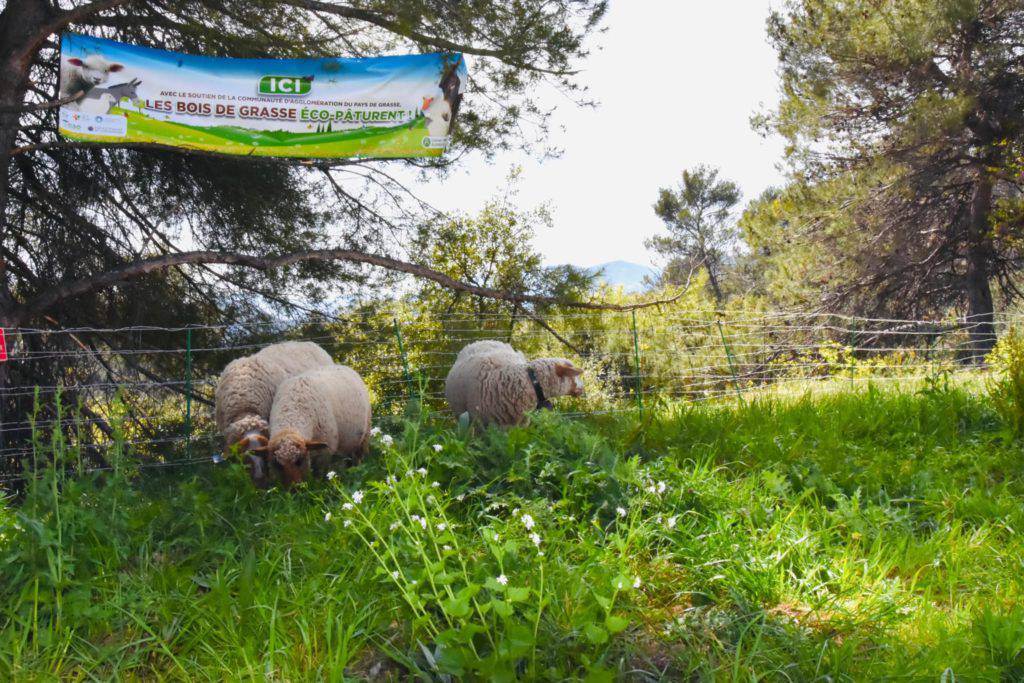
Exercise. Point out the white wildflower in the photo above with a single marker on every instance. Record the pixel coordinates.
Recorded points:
(387, 440)
(441, 526)
(413, 582)
(636, 582)
(435, 484)
(347, 506)
(394, 525)
(528, 522)
(661, 487)
(438, 448)
(348, 522)
(422, 471)
(327, 517)
(446, 547)
(671, 522)
(620, 511)
(391, 479)
(461, 497)
(375, 431)
(652, 489)
(515, 512)
(331, 475)
(503, 580)
(535, 537)
(620, 585)
(394, 575)
(541, 553)
(357, 497)
(423, 523)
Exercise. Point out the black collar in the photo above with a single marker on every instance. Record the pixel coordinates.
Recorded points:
(542, 402)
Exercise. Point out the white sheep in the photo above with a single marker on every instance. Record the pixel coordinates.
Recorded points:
(324, 409)
(84, 75)
(246, 388)
(496, 384)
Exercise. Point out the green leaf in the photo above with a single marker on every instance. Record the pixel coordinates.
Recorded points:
(455, 607)
(605, 603)
(502, 608)
(595, 634)
(516, 594)
(616, 624)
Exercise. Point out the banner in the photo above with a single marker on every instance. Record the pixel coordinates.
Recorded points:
(383, 107)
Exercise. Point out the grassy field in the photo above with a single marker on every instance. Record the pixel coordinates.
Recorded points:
(849, 535)
(398, 141)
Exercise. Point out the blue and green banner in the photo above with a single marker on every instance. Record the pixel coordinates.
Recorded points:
(383, 107)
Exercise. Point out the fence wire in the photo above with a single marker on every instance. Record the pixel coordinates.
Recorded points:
(150, 388)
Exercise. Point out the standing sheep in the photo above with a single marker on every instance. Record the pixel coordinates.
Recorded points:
(245, 392)
(325, 408)
(495, 384)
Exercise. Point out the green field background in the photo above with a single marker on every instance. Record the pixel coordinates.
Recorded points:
(405, 140)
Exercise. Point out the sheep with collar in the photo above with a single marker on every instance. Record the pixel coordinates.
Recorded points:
(495, 384)
(325, 410)
(246, 388)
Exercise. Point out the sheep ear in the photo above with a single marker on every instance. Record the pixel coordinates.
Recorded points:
(116, 67)
(75, 61)
(564, 370)
(313, 445)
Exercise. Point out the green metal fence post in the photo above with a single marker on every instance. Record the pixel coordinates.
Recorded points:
(732, 366)
(636, 361)
(188, 393)
(405, 358)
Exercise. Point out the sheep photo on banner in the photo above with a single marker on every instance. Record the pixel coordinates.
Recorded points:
(385, 107)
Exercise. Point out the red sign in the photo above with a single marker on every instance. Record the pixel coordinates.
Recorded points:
(3, 346)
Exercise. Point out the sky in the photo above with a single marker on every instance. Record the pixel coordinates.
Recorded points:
(707, 65)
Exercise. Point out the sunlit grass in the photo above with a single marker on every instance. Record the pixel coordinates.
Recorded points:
(854, 534)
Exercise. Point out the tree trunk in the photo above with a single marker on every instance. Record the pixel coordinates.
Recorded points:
(977, 287)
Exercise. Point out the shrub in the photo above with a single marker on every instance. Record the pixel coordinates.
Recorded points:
(1006, 386)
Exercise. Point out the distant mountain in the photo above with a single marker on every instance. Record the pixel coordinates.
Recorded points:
(628, 275)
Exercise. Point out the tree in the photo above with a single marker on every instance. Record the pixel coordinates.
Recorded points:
(493, 249)
(698, 218)
(906, 127)
(115, 235)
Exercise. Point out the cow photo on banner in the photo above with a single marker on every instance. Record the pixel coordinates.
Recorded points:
(383, 107)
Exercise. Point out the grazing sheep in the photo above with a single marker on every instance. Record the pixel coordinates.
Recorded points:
(84, 75)
(245, 393)
(326, 409)
(495, 384)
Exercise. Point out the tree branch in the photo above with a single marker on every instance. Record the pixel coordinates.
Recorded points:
(136, 269)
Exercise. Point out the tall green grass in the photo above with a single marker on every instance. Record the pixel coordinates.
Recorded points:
(844, 536)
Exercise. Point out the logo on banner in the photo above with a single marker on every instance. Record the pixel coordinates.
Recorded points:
(286, 85)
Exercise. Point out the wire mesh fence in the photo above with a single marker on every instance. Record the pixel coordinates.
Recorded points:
(150, 389)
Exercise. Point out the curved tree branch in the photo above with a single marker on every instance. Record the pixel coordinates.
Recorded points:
(136, 269)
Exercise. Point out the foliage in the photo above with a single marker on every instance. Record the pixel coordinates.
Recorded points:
(1006, 387)
(697, 216)
(904, 124)
(855, 535)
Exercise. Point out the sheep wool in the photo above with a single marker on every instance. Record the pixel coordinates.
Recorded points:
(246, 388)
(490, 380)
(324, 409)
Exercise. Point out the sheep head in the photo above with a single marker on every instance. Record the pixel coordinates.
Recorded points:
(558, 377)
(289, 453)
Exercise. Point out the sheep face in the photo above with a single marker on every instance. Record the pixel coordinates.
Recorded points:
(570, 378)
(289, 457)
(94, 69)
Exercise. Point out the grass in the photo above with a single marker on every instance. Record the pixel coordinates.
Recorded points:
(848, 535)
(404, 140)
